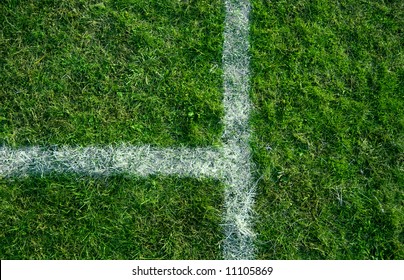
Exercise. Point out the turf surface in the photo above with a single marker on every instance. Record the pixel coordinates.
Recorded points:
(68, 217)
(327, 88)
(84, 73)
(328, 129)
(101, 72)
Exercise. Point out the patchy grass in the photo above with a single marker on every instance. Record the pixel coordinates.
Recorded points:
(100, 72)
(68, 217)
(328, 130)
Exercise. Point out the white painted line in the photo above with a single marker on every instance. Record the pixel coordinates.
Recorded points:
(231, 163)
(106, 161)
(240, 192)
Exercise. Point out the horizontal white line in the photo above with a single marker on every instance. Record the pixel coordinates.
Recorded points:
(230, 164)
(104, 161)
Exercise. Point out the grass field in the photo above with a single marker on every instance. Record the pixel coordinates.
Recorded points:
(93, 72)
(327, 126)
(68, 217)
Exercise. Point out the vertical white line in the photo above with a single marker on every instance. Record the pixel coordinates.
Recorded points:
(239, 194)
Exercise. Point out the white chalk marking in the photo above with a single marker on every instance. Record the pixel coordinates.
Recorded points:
(239, 194)
(105, 161)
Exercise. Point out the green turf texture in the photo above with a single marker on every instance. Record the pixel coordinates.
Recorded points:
(327, 87)
(328, 128)
(68, 217)
(110, 72)
(105, 72)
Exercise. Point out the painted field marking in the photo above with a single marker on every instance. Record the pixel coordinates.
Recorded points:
(231, 163)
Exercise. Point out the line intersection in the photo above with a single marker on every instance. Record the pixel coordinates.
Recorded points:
(230, 163)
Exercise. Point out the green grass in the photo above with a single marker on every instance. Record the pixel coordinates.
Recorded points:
(328, 123)
(77, 72)
(100, 72)
(68, 217)
(328, 129)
